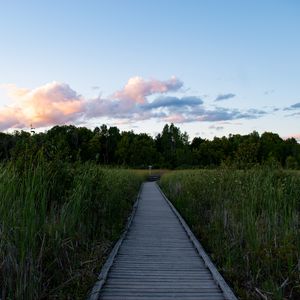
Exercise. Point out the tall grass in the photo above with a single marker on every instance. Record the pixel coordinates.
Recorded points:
(249, 222)
(56, 223)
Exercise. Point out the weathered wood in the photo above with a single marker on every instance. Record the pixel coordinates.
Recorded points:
(215, 273)
(94, 295)
(158, 258)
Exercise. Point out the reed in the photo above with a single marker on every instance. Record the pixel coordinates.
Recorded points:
(57, 222)
(249, 223)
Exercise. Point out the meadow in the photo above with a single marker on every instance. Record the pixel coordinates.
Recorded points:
(58, 222)
(249, 223)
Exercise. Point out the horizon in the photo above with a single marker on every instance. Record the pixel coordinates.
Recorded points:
(212, 69)
(154, 136)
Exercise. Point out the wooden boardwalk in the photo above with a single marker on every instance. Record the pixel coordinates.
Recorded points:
(158, 258)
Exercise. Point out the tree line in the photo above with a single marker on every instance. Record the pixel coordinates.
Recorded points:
(169, 149)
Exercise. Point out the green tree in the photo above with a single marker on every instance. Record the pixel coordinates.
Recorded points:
(170, 142)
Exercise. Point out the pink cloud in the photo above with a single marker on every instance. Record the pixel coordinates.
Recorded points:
(9, 118)
(176, 118)
(137, 89)
(52, 103)
(57, 103)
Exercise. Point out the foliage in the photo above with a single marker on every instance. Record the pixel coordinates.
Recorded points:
(248, 221)
(57, 222)
(169, 149)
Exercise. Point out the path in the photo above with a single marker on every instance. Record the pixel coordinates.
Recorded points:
(158, 260)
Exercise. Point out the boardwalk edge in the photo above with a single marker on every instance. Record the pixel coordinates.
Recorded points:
(95, 293)
(228, 293)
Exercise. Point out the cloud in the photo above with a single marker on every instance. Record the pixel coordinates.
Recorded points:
(225, 114)
(293, 107)
(174, 102)
(52, 103)
(222, 97)
(257, 112)
(231, 123)
(176, 118)
(218, 128)
(268, 92)
(293, 114)
(57, 103)
(137, 89)
(9, 118)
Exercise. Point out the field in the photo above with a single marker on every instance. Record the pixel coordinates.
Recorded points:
(57, 223)
(249, 223)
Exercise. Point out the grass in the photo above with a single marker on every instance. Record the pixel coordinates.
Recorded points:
(57, 222)
(249, 223)
(146, 172)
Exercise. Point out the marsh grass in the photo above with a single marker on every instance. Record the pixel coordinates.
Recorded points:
(57, 222)
(146, 172)
(249, 222)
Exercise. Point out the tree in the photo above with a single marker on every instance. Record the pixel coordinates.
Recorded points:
(124, 149)
(170, 142)
(271, 146)
(143, 151)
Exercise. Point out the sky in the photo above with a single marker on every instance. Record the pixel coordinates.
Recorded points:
(213, 68)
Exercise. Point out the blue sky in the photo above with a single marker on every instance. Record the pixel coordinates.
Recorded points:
(138, 64)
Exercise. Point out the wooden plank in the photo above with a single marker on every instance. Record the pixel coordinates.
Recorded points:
(94, 295)
(157, 259)
(215, 273)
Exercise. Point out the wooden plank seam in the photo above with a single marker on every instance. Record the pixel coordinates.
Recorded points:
(228, 293)
(95, 293)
